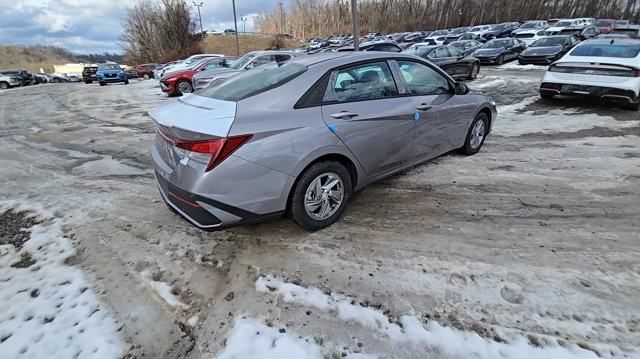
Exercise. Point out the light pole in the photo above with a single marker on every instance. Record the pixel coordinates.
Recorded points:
(199, 16)
(355, 21)
(235, 24)
(244, 23)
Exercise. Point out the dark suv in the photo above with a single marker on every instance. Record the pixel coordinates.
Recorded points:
(25, 77)
(89, 74)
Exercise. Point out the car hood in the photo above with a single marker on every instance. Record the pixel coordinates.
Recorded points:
(109, 71)
(555, 28)
(176, 74)
(215, 73)
(488, 52)
(542, 50)
(197, 114)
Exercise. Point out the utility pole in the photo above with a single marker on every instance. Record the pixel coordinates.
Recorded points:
(235, 24)
(281, 18)
(199, 16)
(355, 21)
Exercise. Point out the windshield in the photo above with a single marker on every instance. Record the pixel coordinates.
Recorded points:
(193, 60)
(458, 44)
(563, 23)
(496, 44)
(438, 33)
(603, 23)
(622, 22)
(477, 28)
(528, 25)
(549, 41)
(109, 67)
(416, 49)
(253, 82)
(626, 51)
(457, 31)
(239, 64)
(497, 27)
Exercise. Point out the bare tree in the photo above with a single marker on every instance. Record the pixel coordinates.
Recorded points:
(159, 32)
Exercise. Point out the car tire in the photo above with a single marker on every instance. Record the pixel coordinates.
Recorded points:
(475, 70)
(103, 84)
(126, 82)
(500, 60)
(300, 208)
(4, 86)
(183, 86)
(476, 134)
(146, 76)
(547, 95)
(88, 82)
(633, 106)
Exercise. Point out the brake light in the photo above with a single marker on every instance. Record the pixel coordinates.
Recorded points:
(217, 149)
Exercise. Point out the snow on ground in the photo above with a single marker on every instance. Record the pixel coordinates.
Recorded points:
(514, 120)
(410, 330)
(48, 308)
(514, 65)
(163, 290)
(107, 166)
(251, 339)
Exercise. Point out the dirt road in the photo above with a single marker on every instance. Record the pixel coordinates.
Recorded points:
(537, 237)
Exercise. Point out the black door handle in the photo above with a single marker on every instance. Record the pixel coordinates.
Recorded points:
(423, 107)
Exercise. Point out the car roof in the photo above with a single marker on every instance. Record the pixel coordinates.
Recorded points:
(344, 58)
(623, 41)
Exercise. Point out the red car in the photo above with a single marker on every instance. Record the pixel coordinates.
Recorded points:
(606, 25)
(180, 82)
(145, 71)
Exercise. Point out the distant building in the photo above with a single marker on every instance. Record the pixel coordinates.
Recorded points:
(70, 68)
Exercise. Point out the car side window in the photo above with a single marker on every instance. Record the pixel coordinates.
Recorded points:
(440, 53)
(453, 52)
(213, 65)
(283, 58)
(421, 80)
(262, 60)
(364, 82)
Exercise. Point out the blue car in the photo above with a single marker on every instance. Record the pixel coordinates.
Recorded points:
(109, 73)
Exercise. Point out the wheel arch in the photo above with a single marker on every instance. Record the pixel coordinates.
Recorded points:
(489, 113)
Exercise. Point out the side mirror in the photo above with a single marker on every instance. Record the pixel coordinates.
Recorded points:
(461, 88)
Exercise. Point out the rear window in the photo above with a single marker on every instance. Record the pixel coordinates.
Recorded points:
(607, 50)
(253, 82)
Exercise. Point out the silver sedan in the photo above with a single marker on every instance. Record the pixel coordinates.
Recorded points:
(299, 139)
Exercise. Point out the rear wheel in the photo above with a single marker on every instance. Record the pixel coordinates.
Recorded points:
(547, 95)
(320, 195)
(476, 134)
(633, 106)
(88, 82)
(4, 85)
(145, 76)
(184, 86)
(126, 82)
(475, 69)
(103, 84)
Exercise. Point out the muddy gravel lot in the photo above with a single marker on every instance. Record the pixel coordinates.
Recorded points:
(530, 248)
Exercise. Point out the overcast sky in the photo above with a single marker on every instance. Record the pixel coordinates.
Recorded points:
(93, 26)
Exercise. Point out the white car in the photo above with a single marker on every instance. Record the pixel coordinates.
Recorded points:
(7, 82)
(186, 63)
(531, 26)
(565, 23)
(530, 36)
(602, 68)
(480, 29)
(437, 37)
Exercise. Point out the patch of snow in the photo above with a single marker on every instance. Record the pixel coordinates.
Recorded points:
(115, 128)
(106, 167)
(163, 290)
(251, 339)
(514, 65)
(51, 148)
(513, 120)
(490, 83)
(48, 308)
(453, 343)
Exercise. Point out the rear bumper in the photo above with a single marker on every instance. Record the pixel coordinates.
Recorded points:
(602, 92)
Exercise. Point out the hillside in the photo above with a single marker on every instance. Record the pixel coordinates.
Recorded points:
(226, 44)
(34, 58)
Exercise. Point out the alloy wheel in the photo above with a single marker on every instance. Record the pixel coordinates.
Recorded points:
(185, 87)
(324, 196)
(477, 134)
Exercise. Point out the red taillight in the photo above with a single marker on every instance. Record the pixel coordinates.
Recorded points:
(218, 148)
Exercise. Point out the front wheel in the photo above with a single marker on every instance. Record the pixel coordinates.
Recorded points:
(633, 106)
(4, 85)
(184, 86)
(475, 69)
(103, 84)
(320, 195)
(500, 60)
(476, 134)
(547, 95)
(145, 76)
(126, 82)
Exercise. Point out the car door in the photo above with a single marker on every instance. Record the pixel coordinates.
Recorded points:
(431, 95)
(460, 67)
(364, 108)
(441, 57)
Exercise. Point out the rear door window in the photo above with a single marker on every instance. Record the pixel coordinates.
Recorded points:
(362, 82)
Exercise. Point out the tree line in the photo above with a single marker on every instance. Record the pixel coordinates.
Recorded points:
(308, 18)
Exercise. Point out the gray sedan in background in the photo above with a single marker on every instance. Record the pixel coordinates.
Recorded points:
(249, 61)
(299, 139)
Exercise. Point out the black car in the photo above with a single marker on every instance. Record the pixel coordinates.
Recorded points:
(546, 50)
(467, 47)
(89, 74)
(470, 36)
(25, 76)
(500, 31)
(448, 58)
(411, 38)
(498, 51)
(582, 33)
(455, 34)
(374, 46)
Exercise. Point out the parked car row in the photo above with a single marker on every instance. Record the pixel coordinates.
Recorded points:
(15, 78)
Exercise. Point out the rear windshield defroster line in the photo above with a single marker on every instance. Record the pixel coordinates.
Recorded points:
(253, 82)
